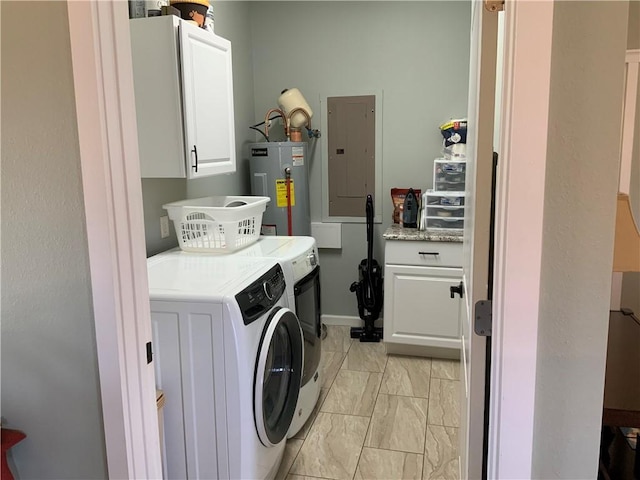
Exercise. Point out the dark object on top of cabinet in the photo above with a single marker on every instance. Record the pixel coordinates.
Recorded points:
(410, 210)
(169, 10)
(194, 10)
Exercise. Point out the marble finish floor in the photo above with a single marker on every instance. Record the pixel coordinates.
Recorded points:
(379, 416)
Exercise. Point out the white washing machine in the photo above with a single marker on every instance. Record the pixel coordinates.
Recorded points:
(228, 355)
(299, 259)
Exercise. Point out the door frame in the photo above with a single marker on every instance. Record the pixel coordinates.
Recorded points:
(107, 134)
(520, 195)
(115, 228)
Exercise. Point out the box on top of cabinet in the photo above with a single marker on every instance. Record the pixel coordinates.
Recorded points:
(183, 84)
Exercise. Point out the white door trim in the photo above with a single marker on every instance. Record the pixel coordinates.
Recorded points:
(632, 59)
(102, 72)
(518, 245)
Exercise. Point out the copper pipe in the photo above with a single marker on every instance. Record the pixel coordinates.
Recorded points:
(296, 134)
(296, 110)
(284, 120)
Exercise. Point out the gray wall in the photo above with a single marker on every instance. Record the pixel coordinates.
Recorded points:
(589, 40)
(231, 22)
(50, 386)
(631, 280)
(155, 193)
(417, 53)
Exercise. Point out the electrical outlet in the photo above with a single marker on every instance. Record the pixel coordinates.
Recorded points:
(164, 226)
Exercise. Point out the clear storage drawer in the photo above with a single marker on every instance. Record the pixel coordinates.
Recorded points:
(449, 170)
(445, 212)
(441, 223)
(432, 197)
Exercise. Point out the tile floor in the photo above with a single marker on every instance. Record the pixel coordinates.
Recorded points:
(379, 416)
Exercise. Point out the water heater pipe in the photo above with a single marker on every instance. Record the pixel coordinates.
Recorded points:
(287, 173)
(295, 132)
(284, 118)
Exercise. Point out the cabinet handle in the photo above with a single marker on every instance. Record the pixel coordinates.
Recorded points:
(429, 253)
(195, 152)
(459, 289)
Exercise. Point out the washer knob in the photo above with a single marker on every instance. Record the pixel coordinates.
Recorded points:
(266, 286)
(312, 259)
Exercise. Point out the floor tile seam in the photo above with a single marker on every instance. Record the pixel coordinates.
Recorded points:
(426, 431)
(288, 472)
(440, 425)
(366, 433)
(437, 425)
(362, 446)
(358, 371)
(375, 395)
(425, 423)
(345, 415)
(306, 475)
(441, 405)
(361, 371)
(403, 395)
(336, 375)
(394, 450)
(348, 414)
(335, 351)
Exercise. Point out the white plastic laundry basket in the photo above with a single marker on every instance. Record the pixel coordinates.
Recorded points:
(217, 224)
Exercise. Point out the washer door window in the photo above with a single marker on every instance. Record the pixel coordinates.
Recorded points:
(278, 376)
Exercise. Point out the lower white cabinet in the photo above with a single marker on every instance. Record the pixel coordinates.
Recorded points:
(418, 308)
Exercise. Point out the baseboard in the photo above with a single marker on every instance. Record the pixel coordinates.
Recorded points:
(346, 320)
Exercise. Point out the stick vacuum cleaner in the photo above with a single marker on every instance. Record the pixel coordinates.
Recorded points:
(369, 288)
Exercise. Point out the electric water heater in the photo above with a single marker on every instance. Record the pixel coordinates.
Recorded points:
(280, 171)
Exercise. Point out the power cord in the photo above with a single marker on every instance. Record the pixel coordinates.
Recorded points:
(627, 312)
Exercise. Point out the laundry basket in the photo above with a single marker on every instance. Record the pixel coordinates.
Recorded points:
(217, 224)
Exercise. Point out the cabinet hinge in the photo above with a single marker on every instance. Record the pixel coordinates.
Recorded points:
(482, 318)
(494, 5)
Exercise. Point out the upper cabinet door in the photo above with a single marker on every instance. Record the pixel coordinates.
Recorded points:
(207, 90)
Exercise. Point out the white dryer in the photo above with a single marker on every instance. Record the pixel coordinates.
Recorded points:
(228, 356)
(299, 259)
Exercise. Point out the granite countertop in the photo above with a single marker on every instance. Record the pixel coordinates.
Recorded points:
(396, 232)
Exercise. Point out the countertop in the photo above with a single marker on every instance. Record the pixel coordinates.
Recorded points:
(396, 232)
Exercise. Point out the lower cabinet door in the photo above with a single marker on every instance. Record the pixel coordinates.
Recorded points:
(418, 306)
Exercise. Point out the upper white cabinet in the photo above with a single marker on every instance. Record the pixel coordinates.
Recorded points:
(184, 99)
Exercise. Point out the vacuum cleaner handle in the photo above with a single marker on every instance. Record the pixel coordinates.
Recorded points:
(369, 213)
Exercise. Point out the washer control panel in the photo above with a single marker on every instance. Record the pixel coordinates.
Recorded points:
(261, 295)
(304, 264)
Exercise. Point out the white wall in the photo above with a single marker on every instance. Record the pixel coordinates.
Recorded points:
(589, 40)
(50, 385)
(417, 53)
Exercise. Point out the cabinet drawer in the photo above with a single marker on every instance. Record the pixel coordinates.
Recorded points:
(433, 254)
